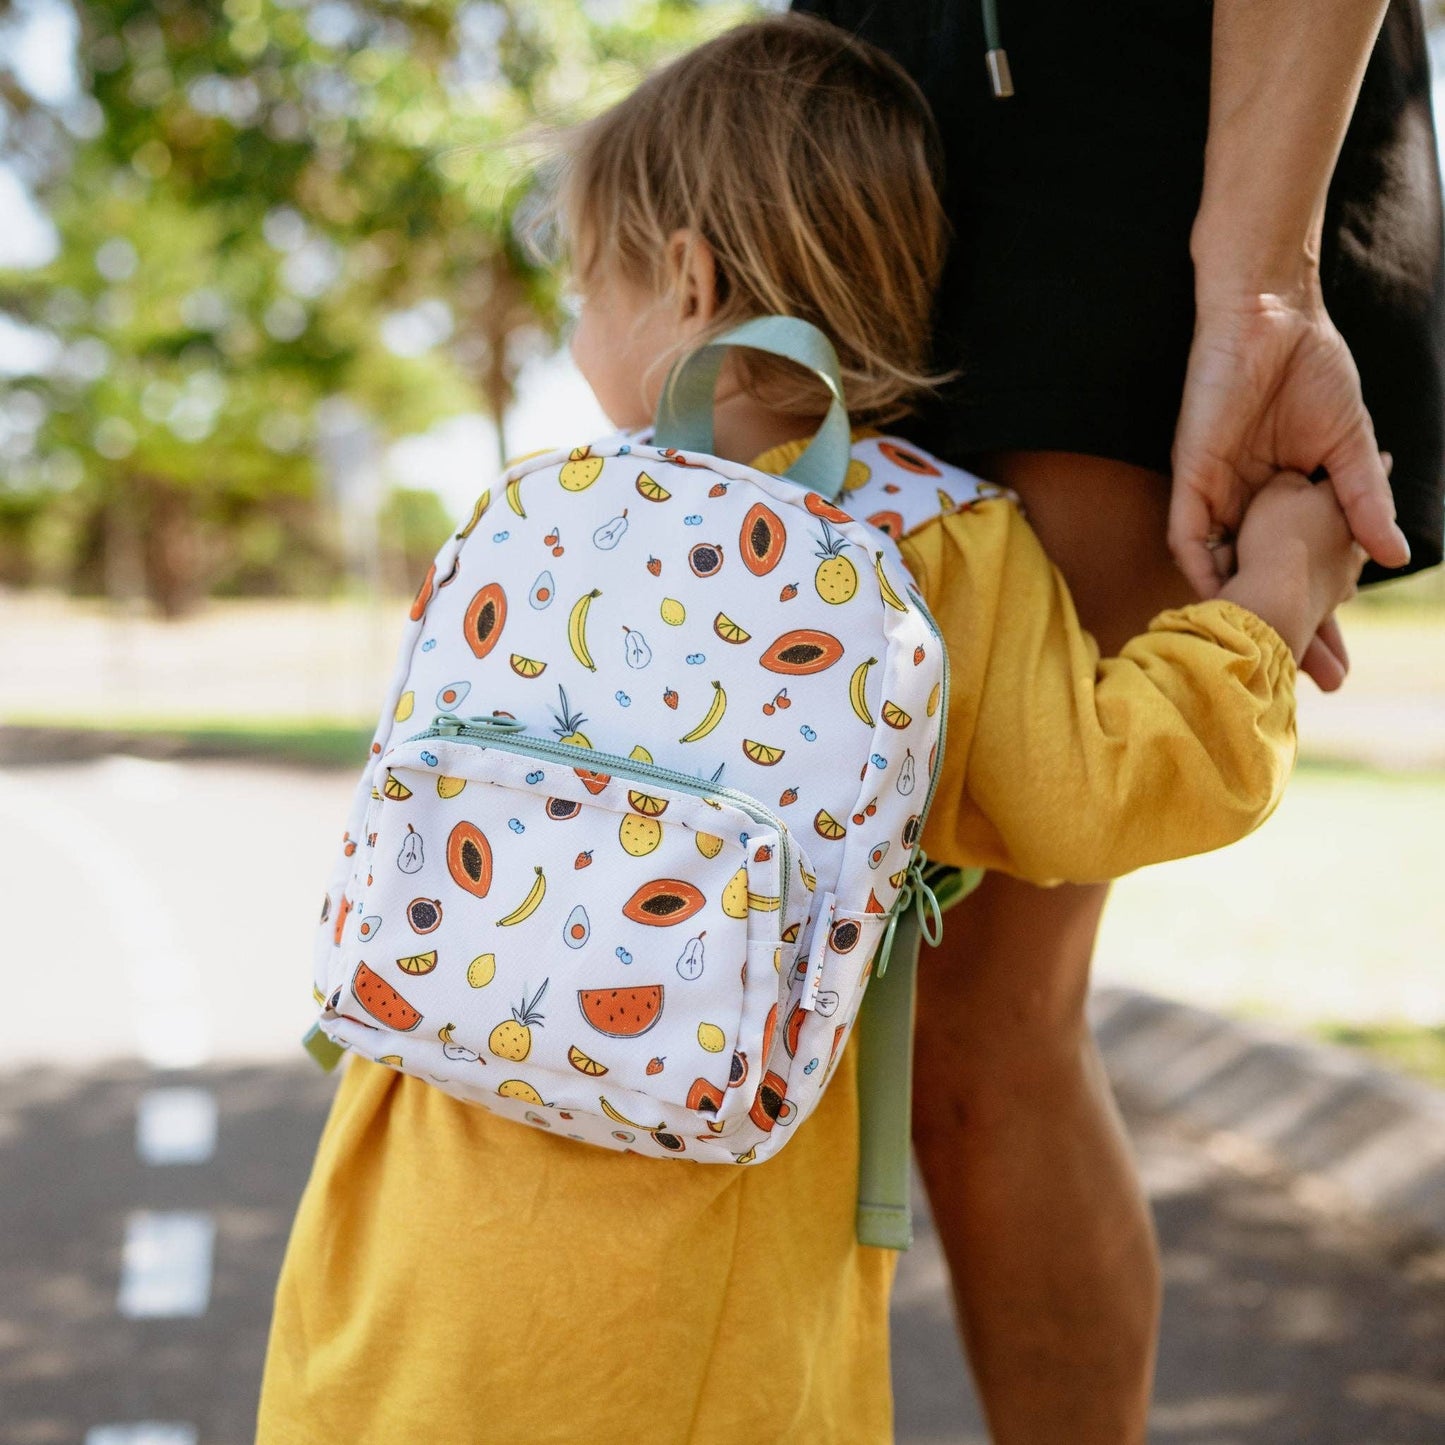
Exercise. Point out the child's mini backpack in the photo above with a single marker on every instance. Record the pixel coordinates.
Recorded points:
(648, 789)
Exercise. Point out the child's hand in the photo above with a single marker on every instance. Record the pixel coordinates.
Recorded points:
(1296, 557)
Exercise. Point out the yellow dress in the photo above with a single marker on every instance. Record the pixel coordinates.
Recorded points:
(452, 1278)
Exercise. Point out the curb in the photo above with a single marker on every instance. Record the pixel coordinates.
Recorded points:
(1373, 1137)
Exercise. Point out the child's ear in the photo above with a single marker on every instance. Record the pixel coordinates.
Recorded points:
(693, 270)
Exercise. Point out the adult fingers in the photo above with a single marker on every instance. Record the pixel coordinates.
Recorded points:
(1361, 481)
(1192, 524)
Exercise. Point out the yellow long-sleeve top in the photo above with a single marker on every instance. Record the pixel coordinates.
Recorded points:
(1066, 766)
(453, 1278)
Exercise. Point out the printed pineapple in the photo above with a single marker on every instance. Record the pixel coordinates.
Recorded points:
(836, 578)
(512, 1038)
(568, 722)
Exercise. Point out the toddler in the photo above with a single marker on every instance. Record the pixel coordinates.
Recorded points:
(454, 1277)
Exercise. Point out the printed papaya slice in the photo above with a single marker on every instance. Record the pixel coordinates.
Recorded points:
(486, 616)
(796, 1019)
(705, 1097)
(909, 461)
(820, 506)
(768, 1102)
(621, 1013)
(382, 1001)
(769, 1028)
(469, 859)
(802, 651)
(889, 522)
(663, 901)
(762, 539)
(424, 593)
(593, 782)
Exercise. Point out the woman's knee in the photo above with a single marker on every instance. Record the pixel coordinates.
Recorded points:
(1004, 995)
(1104, 525)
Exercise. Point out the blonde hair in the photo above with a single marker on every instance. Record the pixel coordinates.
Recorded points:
(808, 162)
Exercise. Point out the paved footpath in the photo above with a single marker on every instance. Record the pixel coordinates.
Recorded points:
(122, 1324)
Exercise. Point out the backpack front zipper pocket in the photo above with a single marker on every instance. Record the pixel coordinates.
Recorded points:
(557, 931)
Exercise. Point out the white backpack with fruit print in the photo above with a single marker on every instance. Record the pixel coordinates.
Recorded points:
(647, 793)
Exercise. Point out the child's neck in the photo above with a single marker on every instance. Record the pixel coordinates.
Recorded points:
(744, 427)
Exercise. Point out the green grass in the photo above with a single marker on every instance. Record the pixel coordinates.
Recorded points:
(1408, 1047)
(319, 743)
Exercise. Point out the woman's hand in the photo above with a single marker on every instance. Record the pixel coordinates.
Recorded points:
(1271, 385)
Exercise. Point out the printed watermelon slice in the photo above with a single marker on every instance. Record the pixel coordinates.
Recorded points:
(621, 1013)
(382, 1001)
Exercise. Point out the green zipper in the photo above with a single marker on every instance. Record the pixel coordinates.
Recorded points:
(510, 736)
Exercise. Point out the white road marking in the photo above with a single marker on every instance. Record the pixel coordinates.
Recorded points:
(166, 1267)
(171, 1027)
(176, 1126)
(143, 1432)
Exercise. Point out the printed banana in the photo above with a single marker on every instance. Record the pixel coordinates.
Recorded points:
(577, 628)
(528, 906)
(711, 718)
(857, 693)
(886, 587)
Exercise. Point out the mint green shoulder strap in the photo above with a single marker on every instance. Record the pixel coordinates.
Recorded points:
(684, 411)
(885, 1075)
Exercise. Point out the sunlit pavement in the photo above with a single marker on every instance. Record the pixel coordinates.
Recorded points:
(162, 912)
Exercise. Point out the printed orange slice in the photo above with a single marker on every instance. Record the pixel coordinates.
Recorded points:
(585, 1065)
(728, 630)
(894, 715)
(827, 826)
(761, 752)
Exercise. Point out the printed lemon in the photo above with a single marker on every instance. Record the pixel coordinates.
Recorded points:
(735, 895)
(673, 612)
(639, 836)
(761, 752)
(520, 1089)
(708, 844)
(404, 706)
(450, 787)
(640, 754)
(728, 630)
(482, 970)
(711, 1037)
(527, 666)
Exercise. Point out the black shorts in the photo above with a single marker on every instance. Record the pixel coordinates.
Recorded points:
(1068, 300)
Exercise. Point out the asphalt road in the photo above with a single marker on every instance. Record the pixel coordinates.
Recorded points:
(147, 900)
(1282, 1323)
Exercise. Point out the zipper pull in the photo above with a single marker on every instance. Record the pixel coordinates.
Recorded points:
(446, 724)
(495, 723)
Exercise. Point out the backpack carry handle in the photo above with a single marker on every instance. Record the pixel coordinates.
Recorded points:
(684, 411)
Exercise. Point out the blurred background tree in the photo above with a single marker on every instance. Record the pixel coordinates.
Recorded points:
(262, 206)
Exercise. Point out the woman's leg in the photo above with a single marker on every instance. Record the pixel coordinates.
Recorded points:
(1046, 1230)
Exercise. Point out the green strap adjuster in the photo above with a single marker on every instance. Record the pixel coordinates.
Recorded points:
(322, 1047)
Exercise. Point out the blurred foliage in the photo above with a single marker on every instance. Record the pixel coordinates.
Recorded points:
(262, 204)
